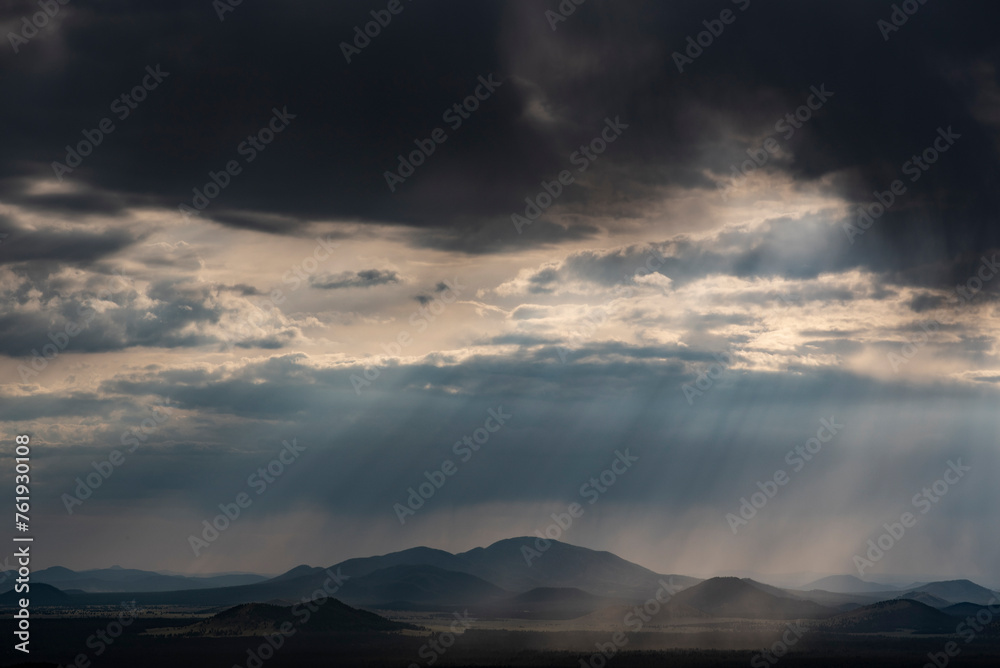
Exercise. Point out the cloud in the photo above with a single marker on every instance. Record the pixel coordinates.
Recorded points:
(63, 246)
(685, 131)
(358, 279)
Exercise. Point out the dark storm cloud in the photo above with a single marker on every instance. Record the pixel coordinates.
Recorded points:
(107, 317)
(66, 203)
(926, 302)
(53, 405)
(77, 246)
(354, 279)
(352, 120)
(781, 248)
(288, 387)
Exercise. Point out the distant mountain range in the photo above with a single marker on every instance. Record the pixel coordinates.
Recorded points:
(562, 582)
(891, 617)
(733, 597)
(260, 619)
(958, 591)
(504, 564)
(39, 594)
(118, 579)
(847, 584)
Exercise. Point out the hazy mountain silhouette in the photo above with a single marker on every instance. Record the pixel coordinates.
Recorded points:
(504, 564)
(957, 591)
(39, 594)
(259, 619)
(298, 572)
(925, 598)
(847, 584)
(563, 565)
(733, 597)
(892, 616)
(962, 609)
(118, 579)
(418, 586)
(561, 581)
(416, 556)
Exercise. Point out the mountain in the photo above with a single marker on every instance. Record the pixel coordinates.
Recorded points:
(958, 591)
(925, 598)
(506, 565)
(961, 609)
(516, 565)
(407, 587)
(118, 579)
(847, 584)
(891, 616)
(733, 597)
(773, 591)
(416, 556)
(424, 578)
(39, 594)
(297, 572)
(259, 619)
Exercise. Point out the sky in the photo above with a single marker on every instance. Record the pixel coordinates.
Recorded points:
(501, 249)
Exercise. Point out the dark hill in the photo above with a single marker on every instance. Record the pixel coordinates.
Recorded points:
(39, 594)
(957, 591)
(732, 597)
(847, 584)
(892, 616)
(562, 565)
(414, 587)
(258, 619)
